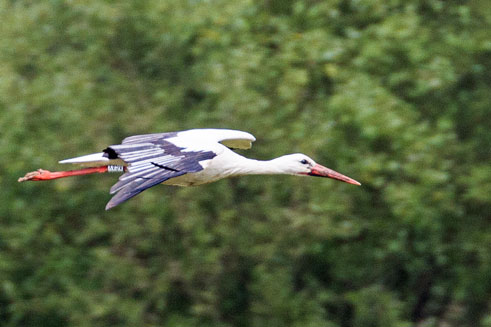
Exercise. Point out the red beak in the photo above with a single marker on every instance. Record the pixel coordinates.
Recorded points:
(321, 171)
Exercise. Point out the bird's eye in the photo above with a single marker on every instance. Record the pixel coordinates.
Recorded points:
(304, 162)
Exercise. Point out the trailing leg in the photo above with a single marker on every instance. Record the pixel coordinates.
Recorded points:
(44, 175)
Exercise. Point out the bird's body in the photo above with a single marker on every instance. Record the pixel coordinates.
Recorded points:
(185, 158)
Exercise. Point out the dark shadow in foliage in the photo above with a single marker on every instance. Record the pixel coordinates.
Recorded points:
(233, 289)
(154, 58)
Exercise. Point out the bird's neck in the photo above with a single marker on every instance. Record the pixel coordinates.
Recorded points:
(248, 166)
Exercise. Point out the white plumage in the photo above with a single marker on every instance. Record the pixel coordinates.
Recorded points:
(184, 158)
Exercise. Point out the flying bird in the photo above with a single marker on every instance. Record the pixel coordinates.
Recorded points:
(185, 158)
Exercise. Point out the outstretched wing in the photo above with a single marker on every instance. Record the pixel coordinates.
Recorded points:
(230, 138)
(151, 160)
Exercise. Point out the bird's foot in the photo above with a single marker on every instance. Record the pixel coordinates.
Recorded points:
(37, 175)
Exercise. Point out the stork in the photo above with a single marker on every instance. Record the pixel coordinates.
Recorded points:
(185, 158)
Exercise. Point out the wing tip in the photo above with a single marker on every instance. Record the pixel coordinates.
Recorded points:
(117, 200)
(110, 205)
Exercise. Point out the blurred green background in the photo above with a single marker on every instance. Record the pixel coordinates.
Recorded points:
(395, 94)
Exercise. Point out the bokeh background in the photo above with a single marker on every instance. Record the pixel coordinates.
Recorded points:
(395, 94)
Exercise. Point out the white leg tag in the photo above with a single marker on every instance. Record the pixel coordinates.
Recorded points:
(115, 169)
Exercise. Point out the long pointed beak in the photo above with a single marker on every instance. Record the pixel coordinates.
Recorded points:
(321, 171)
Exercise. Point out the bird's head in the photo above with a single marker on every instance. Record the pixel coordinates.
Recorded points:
(300, 164)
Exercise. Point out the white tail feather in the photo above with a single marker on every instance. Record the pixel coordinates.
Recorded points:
(90, 158)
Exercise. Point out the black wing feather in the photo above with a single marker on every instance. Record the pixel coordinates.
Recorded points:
(137, 186)
(151, 160)
(156, 137)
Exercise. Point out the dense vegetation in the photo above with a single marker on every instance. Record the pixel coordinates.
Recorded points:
(395, 94)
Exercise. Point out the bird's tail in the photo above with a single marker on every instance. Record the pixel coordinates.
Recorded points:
(94, 159)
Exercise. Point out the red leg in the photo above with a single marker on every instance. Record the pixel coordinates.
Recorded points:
(44, 175)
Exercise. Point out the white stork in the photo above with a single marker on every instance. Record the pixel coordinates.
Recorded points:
(185, 158)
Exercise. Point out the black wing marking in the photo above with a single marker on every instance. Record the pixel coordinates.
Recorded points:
(151, 163)
(137, 186)
(156, 137)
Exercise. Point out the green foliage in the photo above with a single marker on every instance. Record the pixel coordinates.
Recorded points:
(393, 93)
